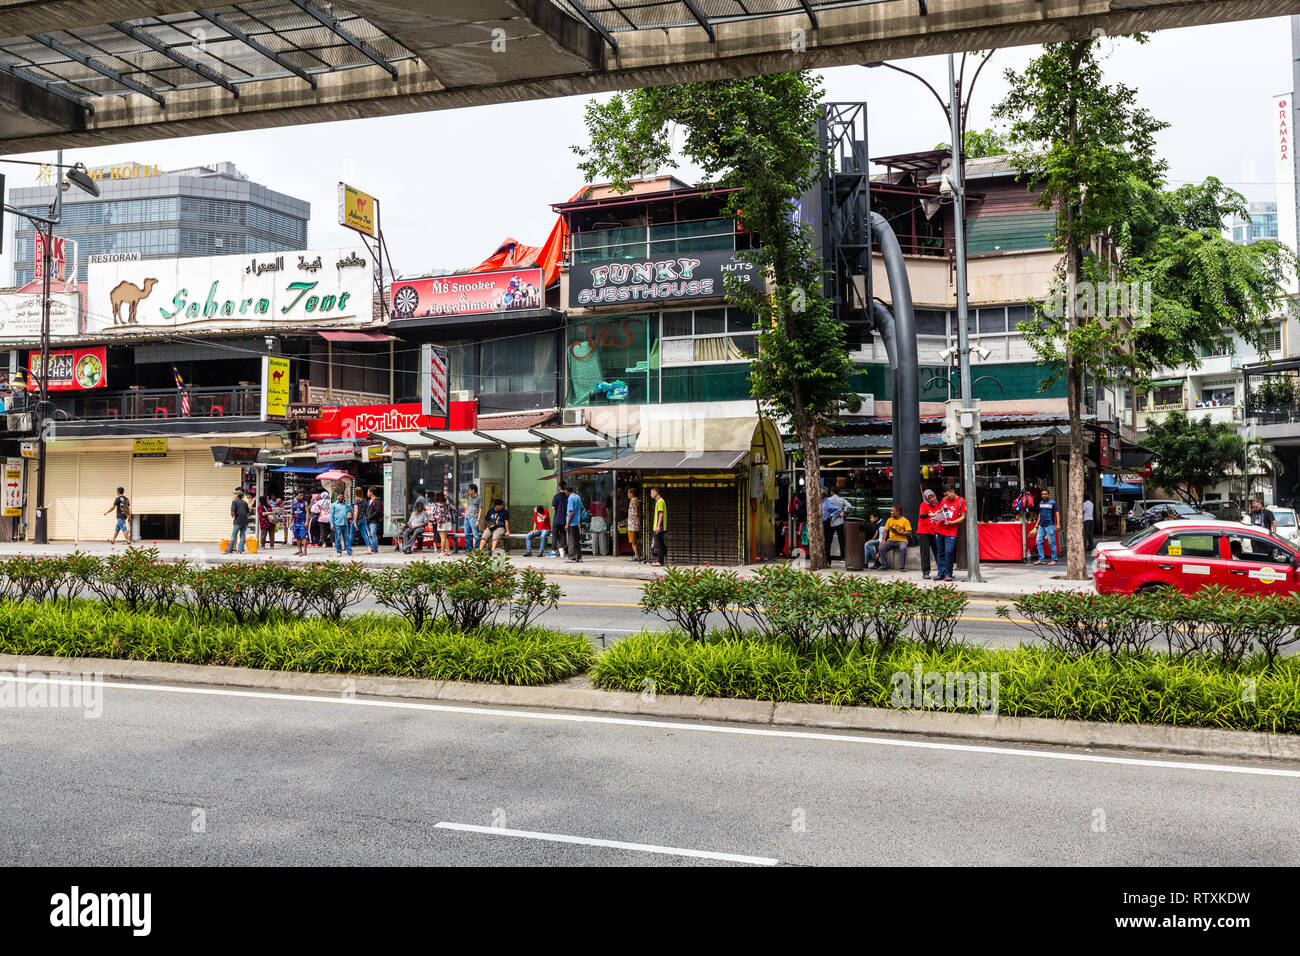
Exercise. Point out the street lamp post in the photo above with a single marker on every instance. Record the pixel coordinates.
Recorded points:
(45, 225)
(955, 110)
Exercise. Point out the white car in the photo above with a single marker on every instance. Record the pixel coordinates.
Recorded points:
(1287, 528)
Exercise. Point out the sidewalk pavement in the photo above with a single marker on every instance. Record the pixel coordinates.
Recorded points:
(1001, 579)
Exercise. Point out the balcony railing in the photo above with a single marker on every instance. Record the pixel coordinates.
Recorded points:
(1274, 414)
(240, 401)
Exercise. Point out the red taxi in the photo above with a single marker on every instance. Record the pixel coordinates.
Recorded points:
(1189, 555)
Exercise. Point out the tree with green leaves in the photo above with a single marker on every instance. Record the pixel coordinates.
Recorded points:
(1192, 456)
(1204, 288)
(1082, 142)
(981, 143)
(758, 136)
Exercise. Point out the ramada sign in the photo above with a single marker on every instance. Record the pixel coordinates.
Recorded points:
(358, 421)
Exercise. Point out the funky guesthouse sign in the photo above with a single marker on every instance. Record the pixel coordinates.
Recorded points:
(320, 287)
(699, 276)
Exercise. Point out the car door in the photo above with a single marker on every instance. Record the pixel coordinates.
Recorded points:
(1189, 560)
(1258, 565)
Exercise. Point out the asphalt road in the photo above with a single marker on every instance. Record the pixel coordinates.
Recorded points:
(213, 776)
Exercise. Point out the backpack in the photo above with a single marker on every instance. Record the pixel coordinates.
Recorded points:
(1023, 504)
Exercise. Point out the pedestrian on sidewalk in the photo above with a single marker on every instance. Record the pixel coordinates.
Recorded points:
(541, 527)
(599, 527)
(659, 529)
(473, 514)
(298, 512)
(559, 519)
(316, 519)
(1087, 524)
(340, 514)
(573, 513)
(122, 520)
(443, 523)
(925, 529)
(266, 524)
(833, 510)
(374, 519)
(897, 531)
(239, 513)
(633, 520)
(1048, 510)
(946, 521)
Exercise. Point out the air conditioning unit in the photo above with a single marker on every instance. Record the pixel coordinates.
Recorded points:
(861, 405)
(22, 422)
(573, 416)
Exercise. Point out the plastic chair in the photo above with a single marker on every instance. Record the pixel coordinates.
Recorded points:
(217, 411)
(160, 412)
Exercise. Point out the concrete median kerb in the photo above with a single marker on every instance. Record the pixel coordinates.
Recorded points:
(579, 696)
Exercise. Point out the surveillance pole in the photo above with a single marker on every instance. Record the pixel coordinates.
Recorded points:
(968, 411)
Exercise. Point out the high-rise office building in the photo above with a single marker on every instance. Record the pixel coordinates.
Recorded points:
(201, 211)
(1260, 224)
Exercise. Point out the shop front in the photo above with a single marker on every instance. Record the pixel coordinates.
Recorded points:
(177, 489)
(519, 466)
(719, 479)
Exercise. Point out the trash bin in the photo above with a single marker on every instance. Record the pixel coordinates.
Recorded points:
(855, 544)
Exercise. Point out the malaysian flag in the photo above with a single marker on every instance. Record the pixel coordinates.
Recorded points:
(185, 395)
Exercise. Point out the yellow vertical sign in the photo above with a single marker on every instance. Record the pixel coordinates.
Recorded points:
(275, 388)
(358, 210)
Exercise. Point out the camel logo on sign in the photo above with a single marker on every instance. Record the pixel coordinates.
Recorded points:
(130, 295)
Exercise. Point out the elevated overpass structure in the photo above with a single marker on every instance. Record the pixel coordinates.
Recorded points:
(97, 72)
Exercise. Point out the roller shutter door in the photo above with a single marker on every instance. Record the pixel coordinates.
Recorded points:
(158, 484)
(101, 474)
(703, 521)
(61, 499)
(208, 493)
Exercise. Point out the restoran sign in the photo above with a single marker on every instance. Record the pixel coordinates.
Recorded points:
(320, 287)
(656, 280)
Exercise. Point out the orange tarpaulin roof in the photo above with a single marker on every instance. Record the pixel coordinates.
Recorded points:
(512, 254)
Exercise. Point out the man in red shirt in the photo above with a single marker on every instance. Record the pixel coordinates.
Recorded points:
(946, 521)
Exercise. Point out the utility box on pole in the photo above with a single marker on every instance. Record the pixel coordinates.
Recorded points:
(960, 419)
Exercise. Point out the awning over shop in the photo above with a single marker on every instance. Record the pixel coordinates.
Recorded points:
(459, 439)
(1167, 381)
(570, 435)
(699, 444)
(673, 461)
(405, 439)
(353, 336)
(1115, 486)
(509, 437)
(304, 469)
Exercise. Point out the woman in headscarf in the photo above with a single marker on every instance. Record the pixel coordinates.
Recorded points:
(925, 530)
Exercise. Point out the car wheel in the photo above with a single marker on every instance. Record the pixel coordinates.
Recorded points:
(1155, 587)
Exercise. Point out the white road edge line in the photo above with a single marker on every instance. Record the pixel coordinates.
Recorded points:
(614, 844)
(683, 725)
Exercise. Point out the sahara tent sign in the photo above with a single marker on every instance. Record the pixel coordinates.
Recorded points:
(322, 287)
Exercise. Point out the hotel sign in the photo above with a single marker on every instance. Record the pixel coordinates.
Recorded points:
(127, 171)
(657, 281)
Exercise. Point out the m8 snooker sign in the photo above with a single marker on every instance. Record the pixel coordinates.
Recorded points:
(321, 287)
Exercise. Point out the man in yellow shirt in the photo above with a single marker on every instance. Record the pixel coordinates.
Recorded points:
(897, 530)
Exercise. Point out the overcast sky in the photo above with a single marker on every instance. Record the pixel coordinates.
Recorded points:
(452, 185)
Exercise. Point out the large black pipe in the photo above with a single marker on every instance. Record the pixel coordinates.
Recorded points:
(904, 365)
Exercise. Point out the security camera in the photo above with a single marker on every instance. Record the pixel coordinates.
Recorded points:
(948, 353)
(982, 352)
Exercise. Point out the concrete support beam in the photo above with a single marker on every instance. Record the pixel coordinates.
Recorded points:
(478, 52)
